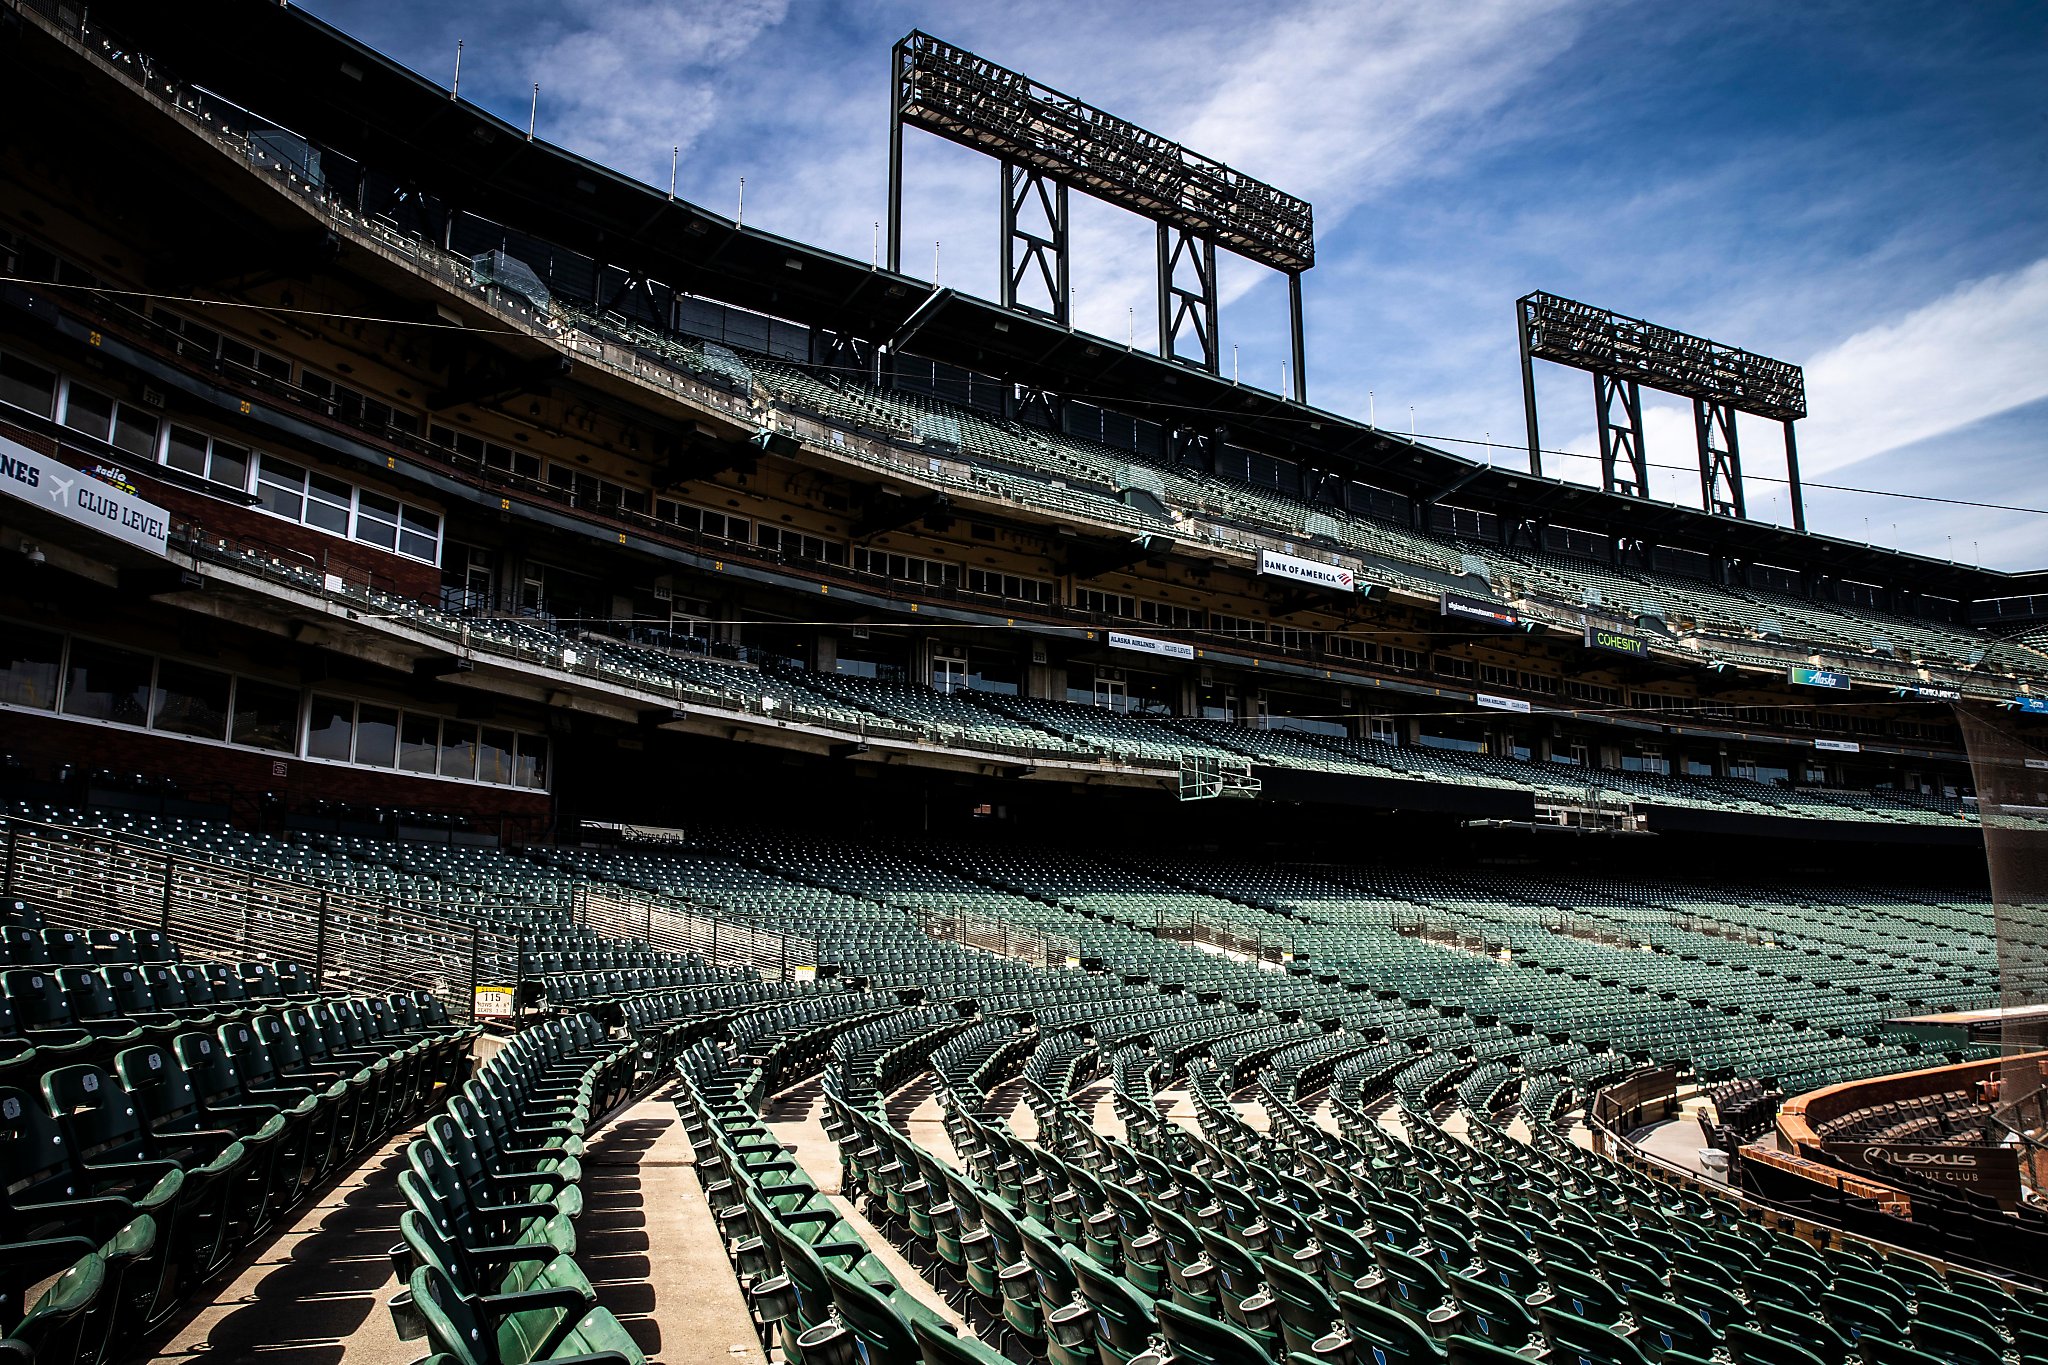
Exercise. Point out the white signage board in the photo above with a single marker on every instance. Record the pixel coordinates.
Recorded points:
(1141, 644)
(77, 496)
(1306, 571)
(1839, 746)
(1502, 703)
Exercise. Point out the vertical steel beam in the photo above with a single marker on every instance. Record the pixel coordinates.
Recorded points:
(898, 59)
(1720, 464)
(1798, 493)
(1522, 310)
(1295, 334)
(1620, 440)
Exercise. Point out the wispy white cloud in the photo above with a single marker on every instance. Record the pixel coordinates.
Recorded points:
(1977, 351)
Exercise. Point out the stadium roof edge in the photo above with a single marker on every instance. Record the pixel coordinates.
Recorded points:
(301, 72)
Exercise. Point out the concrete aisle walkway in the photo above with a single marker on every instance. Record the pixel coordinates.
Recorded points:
(318, 1291)
(795, 1117)
(651, 1248)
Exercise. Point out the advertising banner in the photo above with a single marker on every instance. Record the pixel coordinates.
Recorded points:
(1472, 609)
(1992, 1171)
(1165, 649)
(1614, 642)
(77, 496)
(1306, 571)
(1817, 677)
(2035, 705)
(1839, 746)
(1502, 703)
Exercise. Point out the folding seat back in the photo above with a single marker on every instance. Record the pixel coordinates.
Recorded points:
(90, 996)
(281, 1043)
(152, 945)
(259, 981)
(160, 1088)
(100, 1117)
(37, 997)
(66, 948)
(225, 981)
(167, 987)
(111, 945)
(15, 913)
(244, 1048)
(35, 1160)
(130, 989)
(20, 945)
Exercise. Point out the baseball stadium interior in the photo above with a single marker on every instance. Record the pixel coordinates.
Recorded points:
(584, 783)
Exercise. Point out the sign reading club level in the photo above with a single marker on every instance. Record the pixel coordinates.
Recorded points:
(76, 496)
(1306, 571)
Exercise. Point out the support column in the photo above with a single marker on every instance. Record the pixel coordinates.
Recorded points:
(1797, 492)
(1529, 388)
(1623, 440)
(1187, 294)
(1720, 459)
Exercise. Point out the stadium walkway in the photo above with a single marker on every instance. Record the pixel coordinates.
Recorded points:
(650, 1246)
(795, 1116)
(316, 1291)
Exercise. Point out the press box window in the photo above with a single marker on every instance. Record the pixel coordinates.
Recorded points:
(28, 667)
(88, 411)
(419, 743)
(191, 700)
(530, 763)
(376, 735)
(27, 385)
(105, 683)
(266, 715)
(330, 729)
(221, 462)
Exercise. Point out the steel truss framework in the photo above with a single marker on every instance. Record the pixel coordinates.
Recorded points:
(1624, 354)
(1046, 142)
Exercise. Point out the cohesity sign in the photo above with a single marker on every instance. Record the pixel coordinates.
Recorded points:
(1613, 641)
(74, 495)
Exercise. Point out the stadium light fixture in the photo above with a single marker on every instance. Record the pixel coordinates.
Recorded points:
(1046, 142)
(1623, 354)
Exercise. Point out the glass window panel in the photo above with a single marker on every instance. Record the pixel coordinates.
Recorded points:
(230, 464)
(105, 683)
(377, 520)
(28, 666)
(136, 431)
(419, 743)
(330, 728)
(494, 757)
(186, 451)
(327, 503)
(530, 768)
(458, 750)
(376, 735)
(280, 499)
(88, 410)
(191, 700)
(27, 385)
(266, 715)
(418, 546)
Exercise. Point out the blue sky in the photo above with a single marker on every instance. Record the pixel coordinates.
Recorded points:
(1861, 189)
